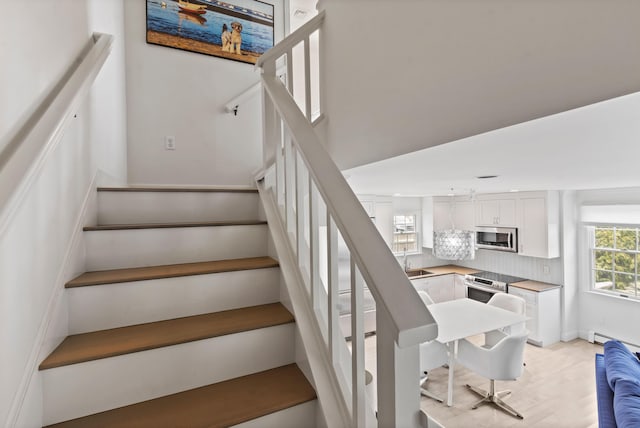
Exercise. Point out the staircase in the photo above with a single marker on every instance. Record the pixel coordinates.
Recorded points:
(178, 321)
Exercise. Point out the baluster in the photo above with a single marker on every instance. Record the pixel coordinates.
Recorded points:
(357, 347)
(319, 77)
(280, 174)
(314, 246)
(335, 335)
(302, 224)
(290, 71)
(290, 170)
(307, 79)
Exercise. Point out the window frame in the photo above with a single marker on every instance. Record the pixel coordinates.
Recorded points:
(592, 249)
(416, 232)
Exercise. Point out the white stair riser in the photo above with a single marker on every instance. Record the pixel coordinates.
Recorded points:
(302, 415)
(115, 305)
(159, 207)
(82, 389)
(113, 249)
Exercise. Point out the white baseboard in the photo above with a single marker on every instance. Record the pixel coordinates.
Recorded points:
(46, 339)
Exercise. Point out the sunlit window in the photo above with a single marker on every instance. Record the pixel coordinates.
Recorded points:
(405, 236)
(615, 259)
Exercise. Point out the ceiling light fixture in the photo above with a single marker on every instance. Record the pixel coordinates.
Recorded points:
(454, 244)
(484, 177)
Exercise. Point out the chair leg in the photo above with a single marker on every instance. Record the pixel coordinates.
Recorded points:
(495, 398)
(504, 406)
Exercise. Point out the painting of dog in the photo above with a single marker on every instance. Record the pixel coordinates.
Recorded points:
(236, 38)
(239, 30)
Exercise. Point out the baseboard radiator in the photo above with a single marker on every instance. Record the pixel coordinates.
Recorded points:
(595, 337)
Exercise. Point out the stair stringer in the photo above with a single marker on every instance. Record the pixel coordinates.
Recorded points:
(333, 410)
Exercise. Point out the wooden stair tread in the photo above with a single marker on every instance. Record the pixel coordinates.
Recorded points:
(169, 271)
(219, 405)
(173, 225)
(123, 340)
(179, 189)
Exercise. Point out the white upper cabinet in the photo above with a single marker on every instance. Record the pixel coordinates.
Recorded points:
(539, 224)
(496, 210)
(380, 210)
(457, 213)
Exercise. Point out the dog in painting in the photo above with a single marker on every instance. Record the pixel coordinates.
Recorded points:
(236, 37)
(226, 38)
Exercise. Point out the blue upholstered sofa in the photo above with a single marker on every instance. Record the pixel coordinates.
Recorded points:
(618, 386)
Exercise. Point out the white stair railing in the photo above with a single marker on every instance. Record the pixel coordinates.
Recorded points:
(316, 208)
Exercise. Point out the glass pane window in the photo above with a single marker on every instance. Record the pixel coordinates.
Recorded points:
(405, 236)
(615, 260)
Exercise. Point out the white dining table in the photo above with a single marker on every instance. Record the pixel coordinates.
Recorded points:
(462, 318)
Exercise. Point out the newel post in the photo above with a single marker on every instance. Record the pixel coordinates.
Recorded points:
(398, 378)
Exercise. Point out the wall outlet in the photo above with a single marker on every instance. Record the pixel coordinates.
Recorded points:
(545, 269)
(169, 142)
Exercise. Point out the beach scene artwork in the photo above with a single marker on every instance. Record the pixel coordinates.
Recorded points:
(240, 30)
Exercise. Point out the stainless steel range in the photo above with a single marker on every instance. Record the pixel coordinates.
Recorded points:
(483, 285)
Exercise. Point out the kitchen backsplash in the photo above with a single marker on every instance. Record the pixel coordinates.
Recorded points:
(495, 261)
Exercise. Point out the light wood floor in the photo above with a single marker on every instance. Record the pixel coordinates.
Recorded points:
(556, 390)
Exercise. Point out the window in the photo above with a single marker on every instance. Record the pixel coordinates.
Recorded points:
(405, 236)
(614, 259)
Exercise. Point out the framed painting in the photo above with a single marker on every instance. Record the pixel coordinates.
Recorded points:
(240, 30)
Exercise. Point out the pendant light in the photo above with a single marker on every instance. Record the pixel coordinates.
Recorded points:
(454, 244)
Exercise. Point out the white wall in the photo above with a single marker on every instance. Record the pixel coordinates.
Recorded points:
(613, 316)
(182, 94)
(406, 75)
(37, 43)
(108, 98)
(40, 232)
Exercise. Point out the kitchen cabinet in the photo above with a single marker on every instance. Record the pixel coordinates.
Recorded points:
(440, 287)
(458, 210)
(380, 210)
(495, 210)
(539, 224)
(427, 222)
(543, 311)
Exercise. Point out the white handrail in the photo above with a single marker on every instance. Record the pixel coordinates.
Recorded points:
(22, 155)
(291, 40)
(300, 173)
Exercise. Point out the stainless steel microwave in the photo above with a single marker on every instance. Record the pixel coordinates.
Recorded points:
(497, 238)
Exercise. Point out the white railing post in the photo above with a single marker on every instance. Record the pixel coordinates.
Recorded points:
(398, 372)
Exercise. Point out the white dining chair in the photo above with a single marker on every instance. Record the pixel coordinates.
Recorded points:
(433, 354)
(511, 303)
(503, 361)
